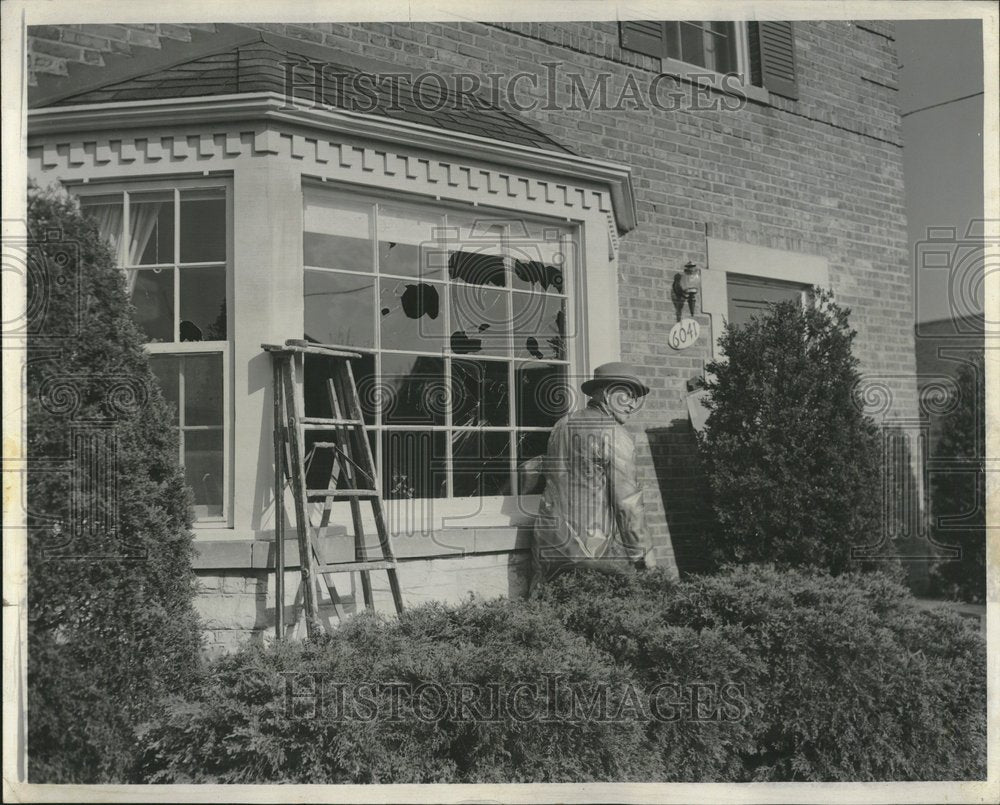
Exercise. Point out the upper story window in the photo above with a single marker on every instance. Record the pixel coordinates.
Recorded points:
(172, 243)
(712, 45)
(463, 321)
(761, 53)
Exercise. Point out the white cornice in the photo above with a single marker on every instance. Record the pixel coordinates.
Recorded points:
(273, 107)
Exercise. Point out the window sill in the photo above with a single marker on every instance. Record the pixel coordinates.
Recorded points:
(454, 543)
(733, 85)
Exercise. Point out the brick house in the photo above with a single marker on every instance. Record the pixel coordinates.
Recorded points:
(599, 159)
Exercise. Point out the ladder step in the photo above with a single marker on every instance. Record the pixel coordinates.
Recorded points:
(345, 567)
(318, 421)
(341, 493)
(297, 345)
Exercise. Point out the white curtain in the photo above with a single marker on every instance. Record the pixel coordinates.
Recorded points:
(142, 217)
(109, 223)
(142, 222)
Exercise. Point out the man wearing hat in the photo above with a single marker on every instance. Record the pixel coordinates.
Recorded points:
(591, 514)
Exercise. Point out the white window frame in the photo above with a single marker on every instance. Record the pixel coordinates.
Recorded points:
(803, 288)
(742, 43)
(224, 348)
(720, 82)
(419, 515)
(731, 257)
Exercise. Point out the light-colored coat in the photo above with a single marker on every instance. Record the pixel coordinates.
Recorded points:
(591, 513)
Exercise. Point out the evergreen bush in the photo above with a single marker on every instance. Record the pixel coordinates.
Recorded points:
(957, 493)
(794, 466)
(844, 678)
(326, 711)
(751, 675)
(111, 626)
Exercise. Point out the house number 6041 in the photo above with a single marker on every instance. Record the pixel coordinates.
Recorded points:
(683, 334)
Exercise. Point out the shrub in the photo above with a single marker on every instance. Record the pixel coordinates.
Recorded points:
(793, 464)
(623, 615)
(243, 726)
(110, 620)
(956, 493)
(845, 679)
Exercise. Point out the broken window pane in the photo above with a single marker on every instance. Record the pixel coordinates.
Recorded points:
(153, 297)
(339, 309)
(337, 233)
(539, 326)
(413, 390)
(480, 393)
(411, 315)
(479, 320)
(477, 268)
(316, 396)
(203, 304)
(414, 464)
(476, 250)
(407, 242)
(481, 463)
(203, 226)
(202, 376)
(320, 465)
(531, 445)
(203, 469)
(151, 226)
(543, 394)
(539, 260)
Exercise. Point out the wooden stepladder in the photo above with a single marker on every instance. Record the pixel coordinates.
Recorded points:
(352, 478)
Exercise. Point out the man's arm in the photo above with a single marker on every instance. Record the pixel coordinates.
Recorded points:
(625, 496)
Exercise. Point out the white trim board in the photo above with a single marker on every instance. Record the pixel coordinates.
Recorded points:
(270, 106)
(730, 257)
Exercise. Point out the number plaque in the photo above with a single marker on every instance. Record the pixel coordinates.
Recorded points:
(683, 334)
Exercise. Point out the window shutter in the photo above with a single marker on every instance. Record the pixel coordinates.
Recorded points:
(645, 37)
(775, 58)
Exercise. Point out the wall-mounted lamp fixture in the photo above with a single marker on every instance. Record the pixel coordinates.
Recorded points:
(686, 287)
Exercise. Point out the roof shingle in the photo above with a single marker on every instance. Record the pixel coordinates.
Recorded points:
(322, 76)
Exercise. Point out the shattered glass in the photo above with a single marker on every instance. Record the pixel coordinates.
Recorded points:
(411, 316)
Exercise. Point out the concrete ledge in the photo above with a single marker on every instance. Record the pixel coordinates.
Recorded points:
(339, 547)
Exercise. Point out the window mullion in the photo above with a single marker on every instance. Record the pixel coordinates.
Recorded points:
(449, 460)
(177, 261)
(123, 250)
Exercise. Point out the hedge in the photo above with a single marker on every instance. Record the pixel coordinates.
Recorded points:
(845, 678)
(752, 675)
(257, 717)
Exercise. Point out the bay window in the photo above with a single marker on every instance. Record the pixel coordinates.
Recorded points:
(463, 320)
(171, 242)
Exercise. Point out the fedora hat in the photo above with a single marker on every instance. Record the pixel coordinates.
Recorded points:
(617, 373)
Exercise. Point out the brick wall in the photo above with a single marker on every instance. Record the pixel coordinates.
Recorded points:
(821, 175)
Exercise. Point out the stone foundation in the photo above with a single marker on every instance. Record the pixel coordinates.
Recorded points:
(236, 580)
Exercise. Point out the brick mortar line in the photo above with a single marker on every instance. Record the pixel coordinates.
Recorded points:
(592, 55)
